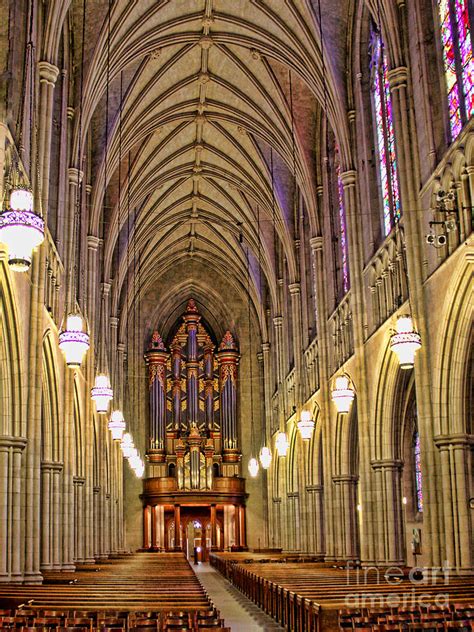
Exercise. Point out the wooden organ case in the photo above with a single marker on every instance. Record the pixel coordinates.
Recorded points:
(194, 461)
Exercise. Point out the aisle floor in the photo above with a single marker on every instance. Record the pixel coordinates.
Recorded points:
(239, 613)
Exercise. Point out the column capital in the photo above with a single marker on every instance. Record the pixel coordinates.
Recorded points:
(294, 288)
(265, 347)
(93, 242)
(8, 441)
(121, 347)
(314, 488)
(345, 478)
(70, 112)
(48, 73)
(398, 77)
(349, 178)
(260, 356)
(105, 288)
(75, 175)
(52, 466)
(455, 440)
(278, 321)
(316, 243)
(386, 464)
(114, 321)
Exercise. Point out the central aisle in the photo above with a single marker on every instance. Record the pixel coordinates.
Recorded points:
(239, 613)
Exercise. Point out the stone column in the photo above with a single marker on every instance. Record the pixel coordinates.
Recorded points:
(359, 319)
(317, 522)
(92, 300)
(57, 515)
(97, 522)
(295, 295)
(46, 516)
(325, 419)
(407, 159)
(78, 482)
(11, 449)
(280, 355)
(391, 528)
(454, 452)
(347, 525)
(67, 481)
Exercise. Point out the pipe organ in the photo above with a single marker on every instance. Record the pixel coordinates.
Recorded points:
(193, 446)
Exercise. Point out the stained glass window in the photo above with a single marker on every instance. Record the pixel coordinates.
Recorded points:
(385, 136)
(456, 41)
(341, 216)
(418, 477)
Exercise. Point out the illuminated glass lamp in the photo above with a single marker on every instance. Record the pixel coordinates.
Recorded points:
(306, 425)
(281, 444)
(342, 394)
(265, 457)
(117, 425)
(74, 341)
(253, 467)
(102, 393)
(21, 229)
(405, 342)
(126, 445)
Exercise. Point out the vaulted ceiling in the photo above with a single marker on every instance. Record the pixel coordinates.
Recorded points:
(203, 96)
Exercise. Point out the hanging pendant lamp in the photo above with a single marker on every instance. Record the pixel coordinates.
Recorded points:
(74, 341)
(306, 425)
(342, 394)
(281, 444)
(102, 393)
(405, 342)
(265, 457)
(117, 425)
(253, 467)
(21, 229)
(126, 444)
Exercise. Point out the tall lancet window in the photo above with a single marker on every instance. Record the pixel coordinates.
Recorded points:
(339, 226)
(384, 133)
(456, 41)
(417, 472)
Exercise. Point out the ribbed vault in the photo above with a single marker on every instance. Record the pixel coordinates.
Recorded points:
(201, 119)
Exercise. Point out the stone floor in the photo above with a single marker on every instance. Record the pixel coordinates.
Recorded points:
(239, 613)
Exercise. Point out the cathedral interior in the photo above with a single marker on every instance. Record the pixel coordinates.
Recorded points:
(236, 259)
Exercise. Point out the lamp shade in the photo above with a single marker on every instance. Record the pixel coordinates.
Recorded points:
(73, 341)
(253, 467)
(306, 425)
(265, 457)
(117, 425)
(102, 393)
(134, 460)
(139, 469)
(342, 394)
(405, 342)
(281, 444)
(21, 229)
(126, 445)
